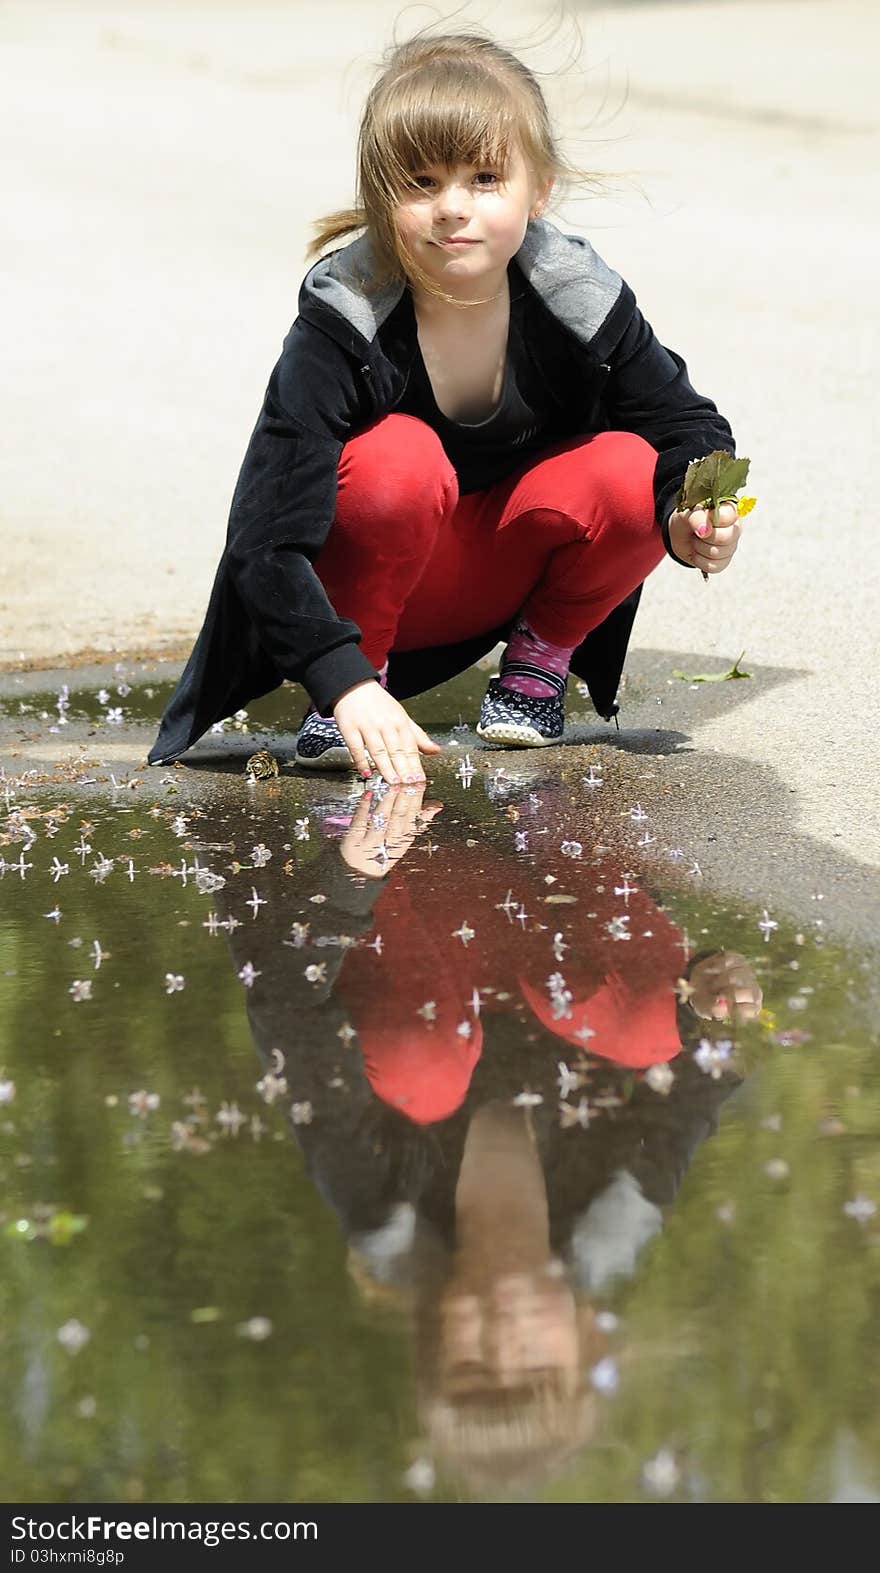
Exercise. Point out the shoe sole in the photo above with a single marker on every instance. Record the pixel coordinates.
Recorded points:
(519, 736)
(331, 759)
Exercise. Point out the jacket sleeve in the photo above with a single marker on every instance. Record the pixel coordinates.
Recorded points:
(282, 512)
(648, 392)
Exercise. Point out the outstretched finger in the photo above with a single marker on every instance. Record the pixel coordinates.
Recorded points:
(383, 757)
(426, 743)
(357, 748)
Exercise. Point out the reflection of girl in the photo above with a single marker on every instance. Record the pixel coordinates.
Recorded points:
(614, 994)
(499, 1222)
(472, 434)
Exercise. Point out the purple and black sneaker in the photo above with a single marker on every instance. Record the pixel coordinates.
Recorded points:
(320, 744)
(523, 720)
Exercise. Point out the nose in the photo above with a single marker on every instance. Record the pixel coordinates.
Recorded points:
(452, 201)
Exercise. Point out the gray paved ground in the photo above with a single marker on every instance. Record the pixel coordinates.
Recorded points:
(160, 165)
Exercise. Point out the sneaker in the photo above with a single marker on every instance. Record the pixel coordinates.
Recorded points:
(320, 744)
(520, 719)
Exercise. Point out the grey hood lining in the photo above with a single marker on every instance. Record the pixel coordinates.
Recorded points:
(572, 280)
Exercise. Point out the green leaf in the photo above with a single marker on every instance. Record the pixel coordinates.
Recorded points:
(714, 677)
(63, 1226)
(712, 480)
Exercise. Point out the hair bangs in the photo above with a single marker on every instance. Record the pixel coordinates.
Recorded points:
(424, 123)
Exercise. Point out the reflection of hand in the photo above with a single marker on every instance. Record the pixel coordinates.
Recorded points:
(383, 830)
(725, 988)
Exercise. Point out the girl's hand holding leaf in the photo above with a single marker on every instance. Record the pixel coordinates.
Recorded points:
(705, 528)
(705, 537)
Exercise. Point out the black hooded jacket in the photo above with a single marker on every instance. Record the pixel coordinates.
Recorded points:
(345, 364)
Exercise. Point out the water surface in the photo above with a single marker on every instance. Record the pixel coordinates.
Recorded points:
(459, 1146)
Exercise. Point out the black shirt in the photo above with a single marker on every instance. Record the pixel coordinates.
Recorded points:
(522, 425)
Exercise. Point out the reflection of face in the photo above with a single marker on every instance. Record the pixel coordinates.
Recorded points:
(517, 1330)
(471, 201)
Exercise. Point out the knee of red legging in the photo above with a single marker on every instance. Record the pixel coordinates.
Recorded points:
(396, 476)
(621, 468)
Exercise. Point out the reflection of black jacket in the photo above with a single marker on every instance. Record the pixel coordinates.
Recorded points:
(605, 1185)
(345, 364)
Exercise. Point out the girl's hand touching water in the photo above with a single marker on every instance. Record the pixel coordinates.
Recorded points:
(697, 537)
(373, 722)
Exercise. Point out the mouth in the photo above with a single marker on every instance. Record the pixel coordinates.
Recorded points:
(452, 243)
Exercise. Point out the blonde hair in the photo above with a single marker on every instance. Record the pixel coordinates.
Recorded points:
(448, 99)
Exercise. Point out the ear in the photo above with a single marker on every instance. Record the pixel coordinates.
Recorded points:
(541, 197)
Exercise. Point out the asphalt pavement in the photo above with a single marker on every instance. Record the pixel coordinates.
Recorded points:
(161, 164)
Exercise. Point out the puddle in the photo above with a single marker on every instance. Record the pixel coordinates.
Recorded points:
(386, 1147)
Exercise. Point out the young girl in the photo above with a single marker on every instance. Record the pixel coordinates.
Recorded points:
(472, 435)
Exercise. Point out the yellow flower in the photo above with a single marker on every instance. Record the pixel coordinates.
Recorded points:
(745, 505)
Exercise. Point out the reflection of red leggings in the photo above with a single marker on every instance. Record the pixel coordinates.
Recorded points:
(563, 540)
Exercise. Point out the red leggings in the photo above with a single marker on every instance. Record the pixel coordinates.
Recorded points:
(562, 541)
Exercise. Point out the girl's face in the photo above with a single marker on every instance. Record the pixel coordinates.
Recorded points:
(463, 225)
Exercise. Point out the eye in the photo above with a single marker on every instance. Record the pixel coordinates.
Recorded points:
(482, 175)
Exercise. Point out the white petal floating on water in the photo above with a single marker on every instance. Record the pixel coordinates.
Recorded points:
(661, 1474)
(660, 1078)
(605, 1376)
(712, 1057)
(777, 1169)
(257, 1328)
(861, 1208)
(576, 1114)
(560, 996)
(73, 1336)
(421, 1477)
(271, 1086)
(143, 1103)
(230, 1118)
(527, 1100)
(255, 901)
(569, 1080)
